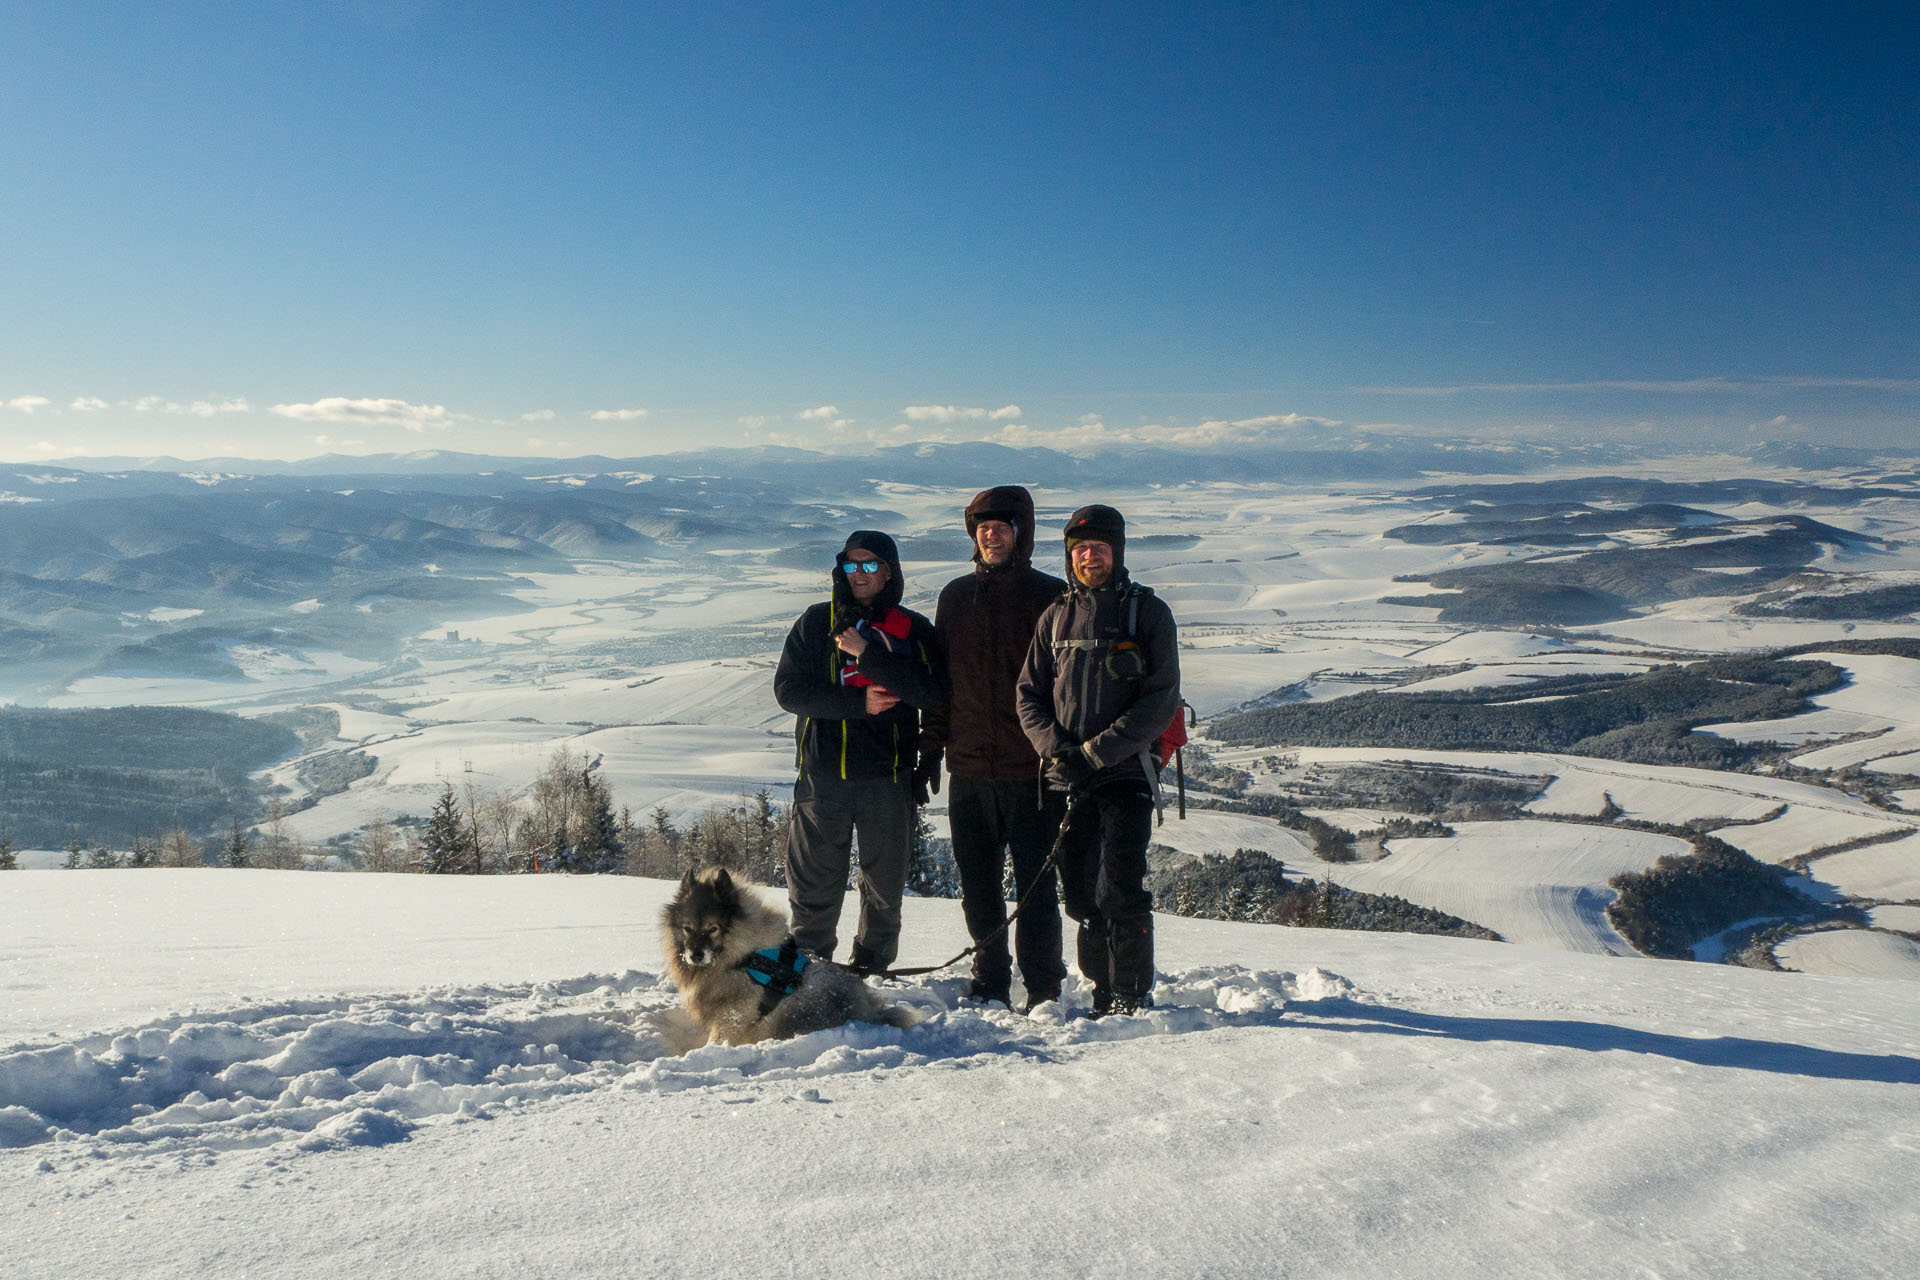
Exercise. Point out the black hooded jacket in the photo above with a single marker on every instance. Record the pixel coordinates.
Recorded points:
(985, 622)
(834, 736)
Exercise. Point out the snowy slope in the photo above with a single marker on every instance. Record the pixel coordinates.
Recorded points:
(395, 1075)
(1535, 883)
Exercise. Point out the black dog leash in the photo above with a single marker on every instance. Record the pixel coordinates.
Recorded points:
(1053, 857)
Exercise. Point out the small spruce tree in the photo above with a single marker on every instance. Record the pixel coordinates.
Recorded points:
(239, 846)
(145, 851)
(443, 848)
(9, 861)
(930, 868)
(598, 849)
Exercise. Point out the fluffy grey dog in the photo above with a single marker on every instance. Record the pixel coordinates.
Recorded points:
(711, 933)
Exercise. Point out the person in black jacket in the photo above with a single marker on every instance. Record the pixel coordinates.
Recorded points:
(985, 622)
(1100, 685)
(856, 671)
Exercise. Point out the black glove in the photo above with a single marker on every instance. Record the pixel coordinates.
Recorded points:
(926, 778)
(1071, 766)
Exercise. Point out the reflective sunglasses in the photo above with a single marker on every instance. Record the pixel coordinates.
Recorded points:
(859, 566)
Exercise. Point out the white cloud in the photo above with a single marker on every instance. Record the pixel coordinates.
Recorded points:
(753, 422)
(539, 415)
(957, 413)
(27, 404)
(828, 414)
(209, 408)
(538, 445)
(617, 415)
(194, 408)
(391, 413)
(47, 449)
(87, 404)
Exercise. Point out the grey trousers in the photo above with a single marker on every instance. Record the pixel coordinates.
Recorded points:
(825, 817)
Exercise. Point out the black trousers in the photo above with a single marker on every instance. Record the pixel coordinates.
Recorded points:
(1103, 871)
(820, 848)
(990, 820)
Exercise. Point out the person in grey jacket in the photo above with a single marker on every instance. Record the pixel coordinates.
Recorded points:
(1100, 685)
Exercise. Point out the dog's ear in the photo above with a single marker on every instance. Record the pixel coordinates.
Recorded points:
(723, 886)
(686, 881)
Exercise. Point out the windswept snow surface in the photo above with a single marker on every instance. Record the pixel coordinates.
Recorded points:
(340, 1075)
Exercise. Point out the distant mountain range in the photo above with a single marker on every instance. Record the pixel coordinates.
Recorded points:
(1351, 457)
(145, 566)
(1321, 454)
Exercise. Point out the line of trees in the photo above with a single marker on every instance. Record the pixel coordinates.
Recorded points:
(567, 821)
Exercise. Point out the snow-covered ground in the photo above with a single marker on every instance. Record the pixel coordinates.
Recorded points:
(285, 1074)
(1863, 952)
(1539, 883)
(1889, 871)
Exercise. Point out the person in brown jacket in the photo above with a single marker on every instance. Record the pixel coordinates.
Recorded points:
(985, 622)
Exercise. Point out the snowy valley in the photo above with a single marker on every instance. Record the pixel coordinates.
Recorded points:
(435, 1073)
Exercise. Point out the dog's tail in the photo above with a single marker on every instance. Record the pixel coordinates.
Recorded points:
(899, 1015)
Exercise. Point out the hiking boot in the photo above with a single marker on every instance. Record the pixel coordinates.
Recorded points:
(862, 964)
(1102, 1002)
(1035, 998)
(1132, 1004)
(988, 993)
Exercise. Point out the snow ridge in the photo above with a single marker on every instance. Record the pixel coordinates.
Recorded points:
(364, 1071)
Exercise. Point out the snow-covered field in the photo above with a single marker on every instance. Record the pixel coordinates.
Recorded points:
(1279, 591)
(1535, 883)
(285, 1074)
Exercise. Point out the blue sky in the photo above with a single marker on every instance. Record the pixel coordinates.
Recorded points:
(278, 229)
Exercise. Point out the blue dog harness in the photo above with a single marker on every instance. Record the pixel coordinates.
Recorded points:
(777, 970)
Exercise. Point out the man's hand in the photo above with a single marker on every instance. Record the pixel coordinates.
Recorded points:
(879, 700)
(1071, 766)
(850, 641)
(926, 778)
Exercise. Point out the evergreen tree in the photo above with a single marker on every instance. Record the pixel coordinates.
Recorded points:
(930, 869)
(598, 849)
(766, 840)
(558, 855)
(660, 847)
(444, 848)
(9, 861)
(102, 859)
(633, 840)
(145, 851)
(239, 847)
(76, 852)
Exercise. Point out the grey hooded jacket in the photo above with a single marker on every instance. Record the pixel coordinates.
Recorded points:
(1103, 673)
